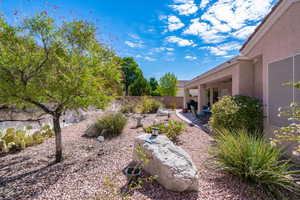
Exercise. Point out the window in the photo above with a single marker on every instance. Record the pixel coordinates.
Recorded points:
(280, 72)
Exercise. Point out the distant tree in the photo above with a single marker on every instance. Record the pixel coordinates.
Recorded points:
(131, 72)
(154, 86)
(140, 87)
(55, 68)
(168, 85)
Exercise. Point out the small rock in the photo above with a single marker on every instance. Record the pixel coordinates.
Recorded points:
(91, 131)
(100, 138)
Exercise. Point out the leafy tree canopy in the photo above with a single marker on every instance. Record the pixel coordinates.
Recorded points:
(154, 86)
(140, 87)
(168, 85)
(131, 72)
(55, 67)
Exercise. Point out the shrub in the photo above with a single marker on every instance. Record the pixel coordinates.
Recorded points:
(253, 159)
(238, 112)
(13, 140)
(127, 109)
(172, 129)
(148, 105)
(111, 125)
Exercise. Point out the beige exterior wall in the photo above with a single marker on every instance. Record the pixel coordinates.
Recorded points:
(281, 40)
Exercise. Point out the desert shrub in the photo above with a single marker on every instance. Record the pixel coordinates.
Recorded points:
(13, 140)
(173, 106)
(148, 105)
(128, 109)
(238, 112)
(253, 159)
(172, 129)
(111, 125)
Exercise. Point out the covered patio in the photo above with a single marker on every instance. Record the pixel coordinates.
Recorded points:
(231, 78)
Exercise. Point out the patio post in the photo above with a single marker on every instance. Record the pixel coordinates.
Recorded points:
(185, 97)
(211, 99)
(201, 98)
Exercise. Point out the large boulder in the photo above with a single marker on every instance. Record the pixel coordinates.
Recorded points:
(173, 167)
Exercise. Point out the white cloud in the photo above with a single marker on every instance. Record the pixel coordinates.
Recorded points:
(150, 59)
(184, 7)
(236, 13)
(223, 49)
(134, 36)
(204, 31)
(190, 57)
(138, 44)
(228, 18)
(204, 3)
(161, 49)
(179, 41)
(244, 33)
(174, 23)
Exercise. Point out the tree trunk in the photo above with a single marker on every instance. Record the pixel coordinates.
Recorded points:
(126, 90)
(58, 142)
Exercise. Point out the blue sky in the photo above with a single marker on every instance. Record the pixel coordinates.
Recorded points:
(186, 37)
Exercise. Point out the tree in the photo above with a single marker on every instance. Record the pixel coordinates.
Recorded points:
(131, 72)
(291, 132)
(55, 68)
(153, 86)
(168, 85)
(140, 87)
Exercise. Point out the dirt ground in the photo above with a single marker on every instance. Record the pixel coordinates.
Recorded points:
(88, 163)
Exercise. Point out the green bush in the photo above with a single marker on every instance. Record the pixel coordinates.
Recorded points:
(172, 129)
(238, 112)
(148, 105)
(111, 125)
(253, 159)
(128, 109)
(13, 140)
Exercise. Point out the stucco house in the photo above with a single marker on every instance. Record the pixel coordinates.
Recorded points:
(270, 57)
(180, 89)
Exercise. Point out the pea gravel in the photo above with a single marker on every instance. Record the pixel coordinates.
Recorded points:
(88, 163)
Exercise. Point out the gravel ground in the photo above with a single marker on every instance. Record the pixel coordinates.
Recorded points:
(88, 164)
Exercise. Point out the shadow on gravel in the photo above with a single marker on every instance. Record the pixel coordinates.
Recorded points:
(28, 179)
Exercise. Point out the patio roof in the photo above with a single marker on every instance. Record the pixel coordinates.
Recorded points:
(219, 68)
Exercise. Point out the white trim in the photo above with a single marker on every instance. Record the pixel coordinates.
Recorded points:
(272, 19)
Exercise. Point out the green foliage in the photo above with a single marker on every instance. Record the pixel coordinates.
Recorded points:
(291, 132)
(111, 125)
(131, 72)
(238, 112)
(148, 105)
(140, 87)
(254, 160)
(168, 85)
(43, 61)
(127, 109)
(172, 129)
(154, 87)
(13, 140)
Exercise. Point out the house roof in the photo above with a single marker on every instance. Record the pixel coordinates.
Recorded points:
(181, 83)
(261, 24)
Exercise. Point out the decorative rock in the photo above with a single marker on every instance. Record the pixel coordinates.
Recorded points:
(162, 112)
(100, 138)
(139, 122)
(91, 131)
(173, 166)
